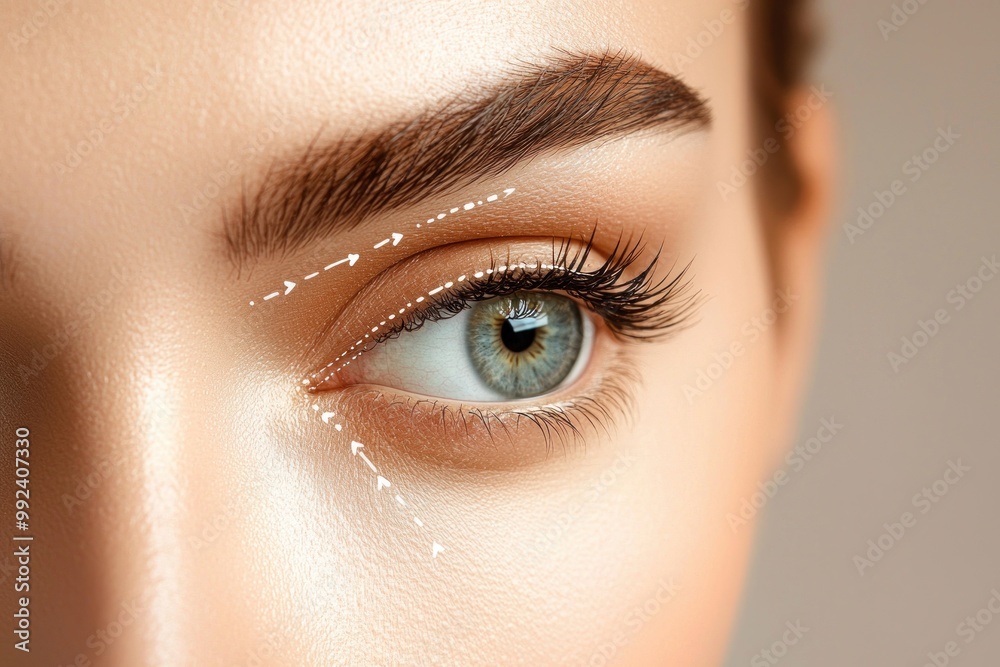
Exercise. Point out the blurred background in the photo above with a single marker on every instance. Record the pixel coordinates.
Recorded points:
(915, 469)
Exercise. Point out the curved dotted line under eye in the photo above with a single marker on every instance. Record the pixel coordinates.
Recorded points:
(381, 482)
(362, 346)
(394, 239)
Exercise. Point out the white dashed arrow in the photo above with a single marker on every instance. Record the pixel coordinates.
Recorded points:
(351, 259)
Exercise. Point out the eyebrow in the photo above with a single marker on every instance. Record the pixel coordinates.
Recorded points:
(565, 102)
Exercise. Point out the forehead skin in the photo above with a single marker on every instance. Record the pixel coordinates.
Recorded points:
(217, 75)
(166, 95)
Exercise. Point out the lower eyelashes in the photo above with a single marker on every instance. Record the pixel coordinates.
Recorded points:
(499, 436)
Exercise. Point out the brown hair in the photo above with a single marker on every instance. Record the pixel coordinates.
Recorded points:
(781, 42)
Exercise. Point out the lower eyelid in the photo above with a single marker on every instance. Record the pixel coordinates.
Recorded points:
(498, 436)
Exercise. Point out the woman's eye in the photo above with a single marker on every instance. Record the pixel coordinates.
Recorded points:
(525, 344)
(517, 346)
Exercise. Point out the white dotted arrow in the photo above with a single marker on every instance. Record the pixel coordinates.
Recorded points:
(396, 238)
(467, 207)
(351, 259)
(382, 483)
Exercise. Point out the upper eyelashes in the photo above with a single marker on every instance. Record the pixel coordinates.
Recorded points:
(638, 307)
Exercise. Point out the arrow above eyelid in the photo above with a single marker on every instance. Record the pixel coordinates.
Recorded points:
(351, 259)
(396, 238)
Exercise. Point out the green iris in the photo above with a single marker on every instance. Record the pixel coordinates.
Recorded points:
(525, 344)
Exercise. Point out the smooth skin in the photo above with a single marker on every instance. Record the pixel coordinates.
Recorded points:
(189, 507)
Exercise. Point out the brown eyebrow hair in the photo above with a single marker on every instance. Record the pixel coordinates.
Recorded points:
(564, 102)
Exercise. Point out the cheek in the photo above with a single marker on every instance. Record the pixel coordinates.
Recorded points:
(704, 437)
(626, 549)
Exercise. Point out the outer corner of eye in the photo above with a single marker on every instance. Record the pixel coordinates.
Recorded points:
(508, 348)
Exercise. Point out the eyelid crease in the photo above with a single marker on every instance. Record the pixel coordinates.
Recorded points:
(638, 308)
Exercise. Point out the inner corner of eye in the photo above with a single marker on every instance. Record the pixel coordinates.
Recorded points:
(503, 349)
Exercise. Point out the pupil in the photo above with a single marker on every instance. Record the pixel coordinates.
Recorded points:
(516, 341)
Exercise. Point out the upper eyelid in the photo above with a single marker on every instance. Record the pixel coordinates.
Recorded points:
(638, 296)
(312, 382)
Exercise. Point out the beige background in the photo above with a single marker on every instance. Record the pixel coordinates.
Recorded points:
(942, 68)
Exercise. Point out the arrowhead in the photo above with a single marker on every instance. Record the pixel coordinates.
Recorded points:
(508, 192)
(436, 549)
(355, 446)
(352, 258)
(396, 238)
(289, 286)
(326, 417)
(382, 481)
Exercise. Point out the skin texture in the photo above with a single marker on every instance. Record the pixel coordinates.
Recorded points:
(182, 483)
